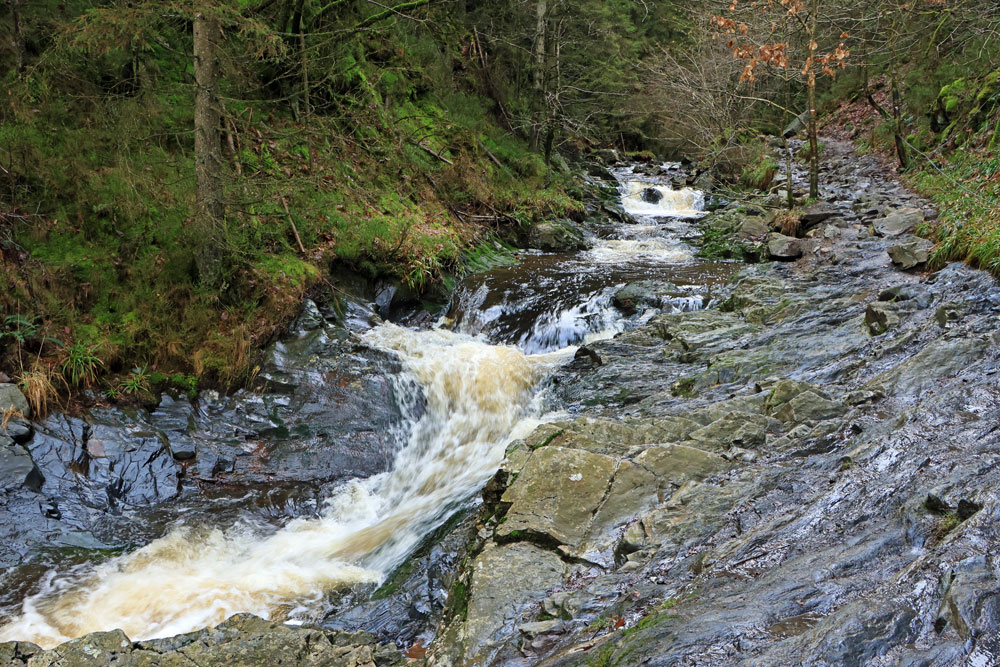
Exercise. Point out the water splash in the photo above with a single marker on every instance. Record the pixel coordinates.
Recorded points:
(683, 203)
(477, 395)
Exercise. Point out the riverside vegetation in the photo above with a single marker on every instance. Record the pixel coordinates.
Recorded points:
(736, 409)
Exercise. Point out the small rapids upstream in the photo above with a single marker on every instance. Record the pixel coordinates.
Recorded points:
(511, 327)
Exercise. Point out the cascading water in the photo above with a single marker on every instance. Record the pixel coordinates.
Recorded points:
(479, 396)
(551, 301)
(651, 199)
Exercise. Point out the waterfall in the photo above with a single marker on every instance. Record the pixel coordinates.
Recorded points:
(479, 397)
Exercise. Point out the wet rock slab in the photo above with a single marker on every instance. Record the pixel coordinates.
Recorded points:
(821, 407)
(242, 641)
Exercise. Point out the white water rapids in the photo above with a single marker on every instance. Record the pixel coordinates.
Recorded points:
(683, 203)
(479, 397)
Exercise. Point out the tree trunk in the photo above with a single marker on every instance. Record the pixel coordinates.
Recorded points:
(541, 10)
(18, 38)
(208, 162)
(811, 85)
(789, 192)
(897, 123)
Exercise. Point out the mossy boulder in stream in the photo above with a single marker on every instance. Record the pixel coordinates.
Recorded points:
(557, 236)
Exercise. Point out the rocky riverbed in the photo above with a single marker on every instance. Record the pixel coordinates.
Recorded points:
(803, 473)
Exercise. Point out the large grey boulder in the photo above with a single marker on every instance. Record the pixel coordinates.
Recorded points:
(11, 398)
(557, 236)
(504, 580)
(899, 222)
(556, 494)
(783, 248)
(911, 253)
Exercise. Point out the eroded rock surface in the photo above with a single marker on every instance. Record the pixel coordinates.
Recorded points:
(754, 478)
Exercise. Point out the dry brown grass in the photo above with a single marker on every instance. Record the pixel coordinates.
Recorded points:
(38, 387)
(8, 414)
(788, 223)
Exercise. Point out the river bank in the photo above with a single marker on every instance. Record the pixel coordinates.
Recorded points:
(804, 468)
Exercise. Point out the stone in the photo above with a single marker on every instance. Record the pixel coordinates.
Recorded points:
(880, 317)
(556, 494)
(243, 640)
(736, 429)
(11, 398)
(182, 447)
(640, 294)
(809, 406)
(753, 227)
(947, 315)
(674, 465)
(785, 390)
(505, 579)
(651, 195)
(557, 236)
(910, 254)
(783, 248)
(814, 215)
(898, 222)
(18, 430)
(541, 627)
(919, 295)
(17, 469)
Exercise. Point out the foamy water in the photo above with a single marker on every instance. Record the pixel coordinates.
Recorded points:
(479, 397)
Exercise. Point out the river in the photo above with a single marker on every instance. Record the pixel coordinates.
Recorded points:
(481, 372)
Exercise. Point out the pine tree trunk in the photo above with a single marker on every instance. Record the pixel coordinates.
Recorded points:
(18, 38)
(541, 10)
(813, 121)
(207, 149)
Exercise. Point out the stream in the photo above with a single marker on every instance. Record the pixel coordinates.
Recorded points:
(463, 391)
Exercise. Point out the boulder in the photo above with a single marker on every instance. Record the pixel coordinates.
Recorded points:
(752, 227)
(641, 294)
(557, 494)
(808, 406)
(898, 222)
(736, 429)
(814, 215)
(880, 317)
(505, 579)
(783, 248)
(797, 125)
(651, 195)
(11, 398)
(911, 253)
(18, 430)
(557, 236)
(17, 470)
